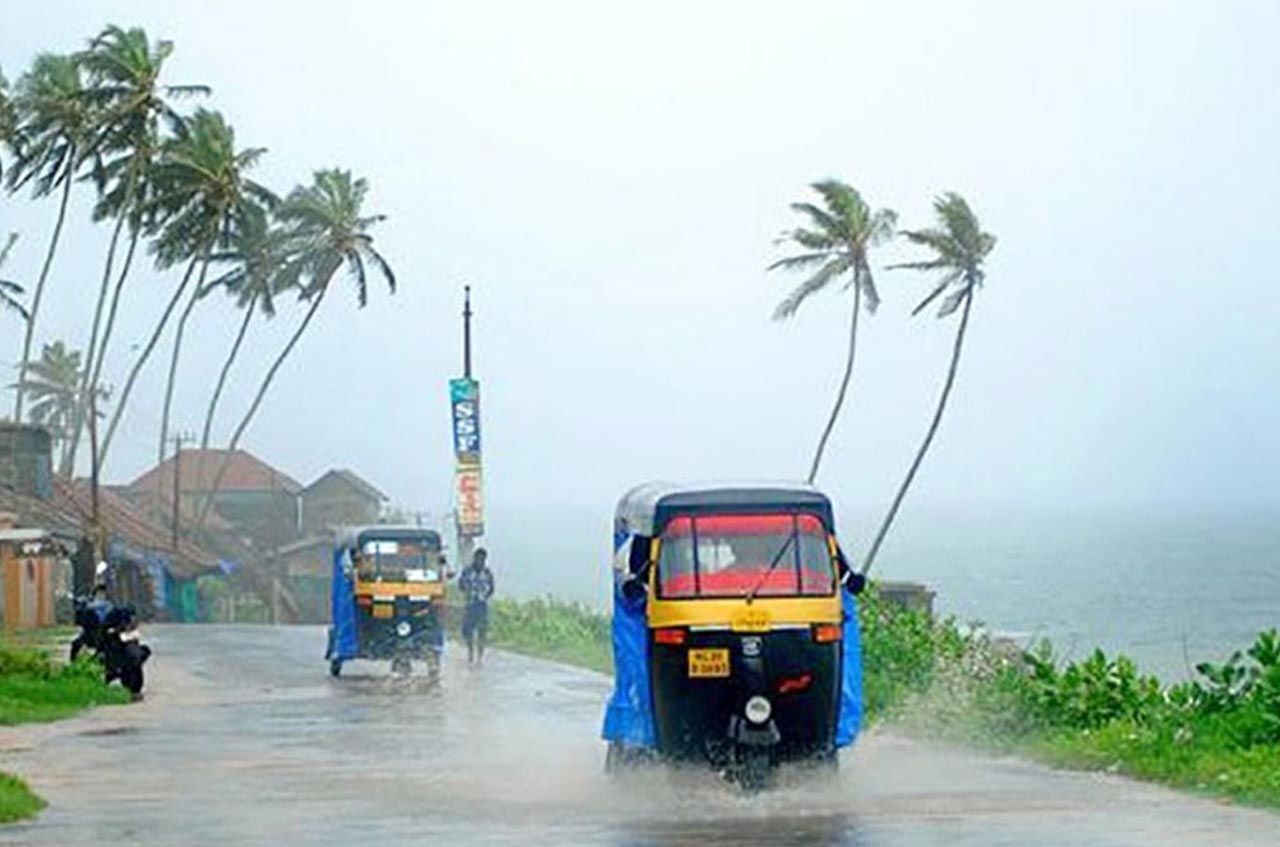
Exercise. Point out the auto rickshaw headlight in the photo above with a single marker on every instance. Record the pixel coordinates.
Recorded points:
(758, 709)
(403, 629)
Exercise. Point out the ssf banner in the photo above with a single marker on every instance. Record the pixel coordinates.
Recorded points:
(465, 397)
(468, 479)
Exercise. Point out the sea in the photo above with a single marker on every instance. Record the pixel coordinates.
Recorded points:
(1169, 588)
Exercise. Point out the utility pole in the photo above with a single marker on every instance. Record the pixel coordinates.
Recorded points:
(465, 399)
(95, 519)
(178, 440)
(466, 333)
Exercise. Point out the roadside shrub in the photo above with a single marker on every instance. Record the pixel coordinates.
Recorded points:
(1089, 694)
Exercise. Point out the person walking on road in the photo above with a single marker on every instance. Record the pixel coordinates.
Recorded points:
(476, 584)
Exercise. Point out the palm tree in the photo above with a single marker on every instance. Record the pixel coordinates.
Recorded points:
(123, 68)
(199, 190)
(201, 183)
(836, 243)
(52, 383)
(8, 117)
(960, 248)
(10, 291)
(332, 233)
(54, 133)
(257, 253)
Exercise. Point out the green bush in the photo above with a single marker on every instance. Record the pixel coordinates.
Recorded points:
(34, 688)
(16, 800)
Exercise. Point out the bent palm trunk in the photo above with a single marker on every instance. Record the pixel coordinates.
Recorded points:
(123, 401)
(177, 352)
(222, 376)
(844, 383)
(39, 294)
(257, 401)
(94, 378)
(928, 438)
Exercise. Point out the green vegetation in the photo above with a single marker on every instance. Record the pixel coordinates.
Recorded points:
(552, 629)
(35, 689)
(1218, 734)
(17, 802)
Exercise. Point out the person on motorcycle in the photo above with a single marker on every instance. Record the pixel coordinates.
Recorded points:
(91, 616)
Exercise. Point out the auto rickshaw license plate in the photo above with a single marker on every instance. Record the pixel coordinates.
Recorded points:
(709, 662)
(751, 620)
(383, 610)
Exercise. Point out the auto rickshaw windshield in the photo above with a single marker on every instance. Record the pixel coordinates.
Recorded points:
(397, 561)
(736, 555)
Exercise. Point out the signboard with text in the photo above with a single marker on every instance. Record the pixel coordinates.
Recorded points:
(464, 395)
(469, 495)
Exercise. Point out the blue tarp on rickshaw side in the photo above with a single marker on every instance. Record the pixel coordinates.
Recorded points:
(850, 719)
(629, 716)
(343, 642)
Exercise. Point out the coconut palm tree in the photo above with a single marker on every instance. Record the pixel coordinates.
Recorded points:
(55, 129)
(202, 185)
(960, 249)
(10, 291)
(199, 189)
(8, 118)
(836, 240)
(259, 249)
(124, 69)
(52, 384)
(332, 234)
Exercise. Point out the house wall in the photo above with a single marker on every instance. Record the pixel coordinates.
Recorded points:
(28, 588)
(333, 502)
(269, 518)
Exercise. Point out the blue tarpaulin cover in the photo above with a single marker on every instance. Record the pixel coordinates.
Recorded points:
(343, 643)
(850, 718)
(629, 715)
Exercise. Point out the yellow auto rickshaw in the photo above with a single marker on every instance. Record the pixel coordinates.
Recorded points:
(735, 630)
(388, 597)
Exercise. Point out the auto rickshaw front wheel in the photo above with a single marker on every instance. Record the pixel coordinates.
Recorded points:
(335, 667)
(754, 769)
(401, 666)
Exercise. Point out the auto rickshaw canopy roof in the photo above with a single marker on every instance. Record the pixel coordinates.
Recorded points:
(352, 537)
(646, 509)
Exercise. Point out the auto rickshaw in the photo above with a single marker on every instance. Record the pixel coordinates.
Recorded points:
(388, 597)
(735, 632)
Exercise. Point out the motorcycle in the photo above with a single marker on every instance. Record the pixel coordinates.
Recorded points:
(112, 633)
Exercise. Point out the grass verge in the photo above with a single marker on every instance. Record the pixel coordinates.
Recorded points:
(17, 801)
(33, 689)
(933, 679)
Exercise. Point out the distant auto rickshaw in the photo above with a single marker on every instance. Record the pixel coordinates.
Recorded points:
(735, 632)
(388, 597)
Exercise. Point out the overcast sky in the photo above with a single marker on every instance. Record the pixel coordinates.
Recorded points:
(610, 179)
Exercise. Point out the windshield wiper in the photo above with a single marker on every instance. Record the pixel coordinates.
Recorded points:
(773, 565)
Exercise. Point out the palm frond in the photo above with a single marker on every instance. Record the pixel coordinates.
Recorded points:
(813, 284)
(800, 262)
(933, 295)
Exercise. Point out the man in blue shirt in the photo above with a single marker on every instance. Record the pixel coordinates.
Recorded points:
(476, 584)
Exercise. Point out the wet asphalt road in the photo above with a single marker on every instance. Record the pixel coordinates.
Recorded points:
(244, 739)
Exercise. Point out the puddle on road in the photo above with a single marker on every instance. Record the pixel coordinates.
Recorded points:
(108, 731)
